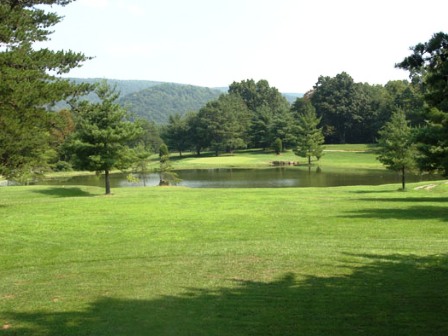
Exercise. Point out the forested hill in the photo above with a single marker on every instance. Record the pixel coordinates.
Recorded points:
(125, 87)
(158, 102)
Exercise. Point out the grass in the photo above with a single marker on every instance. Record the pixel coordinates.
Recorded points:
(178, 261)
(335, 156)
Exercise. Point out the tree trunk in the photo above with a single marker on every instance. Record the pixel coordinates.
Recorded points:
(309, 160)
(403, 178)
(107, 178)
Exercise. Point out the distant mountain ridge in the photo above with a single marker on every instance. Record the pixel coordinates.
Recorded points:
(156, 101)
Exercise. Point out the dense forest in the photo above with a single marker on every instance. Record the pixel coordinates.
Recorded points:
(254, 114)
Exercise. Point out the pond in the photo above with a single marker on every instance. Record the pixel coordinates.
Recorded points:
(278, 177)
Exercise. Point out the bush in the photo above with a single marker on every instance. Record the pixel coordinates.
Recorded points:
(163, 151)
(62, 166)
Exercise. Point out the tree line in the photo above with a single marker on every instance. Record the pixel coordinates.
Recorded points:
(102, 135)
(254, 114)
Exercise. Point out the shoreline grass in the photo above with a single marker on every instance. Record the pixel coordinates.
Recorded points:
(336, 261)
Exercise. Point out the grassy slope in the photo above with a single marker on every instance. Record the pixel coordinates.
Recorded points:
(176, 261)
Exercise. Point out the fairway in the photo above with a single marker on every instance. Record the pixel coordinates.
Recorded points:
(178, 261)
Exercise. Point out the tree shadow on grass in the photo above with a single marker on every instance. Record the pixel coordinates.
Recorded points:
(371, 192)
(409, 199)
(383, 295)
(420, 212)
(64, 192)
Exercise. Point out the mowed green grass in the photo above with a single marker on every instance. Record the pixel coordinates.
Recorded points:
(353, 156)
(178, 261)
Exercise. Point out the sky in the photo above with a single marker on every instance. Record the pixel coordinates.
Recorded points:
(213, 43)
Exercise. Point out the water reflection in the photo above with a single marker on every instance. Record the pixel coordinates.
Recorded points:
(278, 177)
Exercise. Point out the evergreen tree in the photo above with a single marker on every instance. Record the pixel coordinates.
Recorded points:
(100, 142)
(27, 85)
(270, 117)
(223, 123)
(177, 133)
(428, 65)
(309, 136)
(397, 150)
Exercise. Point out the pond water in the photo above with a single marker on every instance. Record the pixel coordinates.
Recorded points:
(278, 177)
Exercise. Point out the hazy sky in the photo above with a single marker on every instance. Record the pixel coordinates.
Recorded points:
(215, 42)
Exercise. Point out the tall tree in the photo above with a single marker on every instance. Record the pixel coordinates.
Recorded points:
(428, 64)
(407, 96)
(270, 112)
(309, 136)
(198, 132)
(337, 101)
(223, 123)
(397, 150)
(177, 133)
(28, 84)
(104, 129)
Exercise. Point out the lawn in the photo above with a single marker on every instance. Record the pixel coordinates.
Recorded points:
(353, 156)
(178, 261)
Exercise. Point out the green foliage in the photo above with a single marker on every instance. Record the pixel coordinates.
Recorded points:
(309, 136)
(223, 123)
(163, 151)
(166, 174)
(396, 146)
(150, 135)
(140, 164)
(336, 100)
(62, 166)
(408, 97)
(271, 116)
(278, 146)
(103, 131)
(177, 133)
(354, 112)
(28, 86)
(428, 65)
(159, 102)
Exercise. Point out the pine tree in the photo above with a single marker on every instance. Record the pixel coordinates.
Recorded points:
(100, 142)
(28, 86)
(397, 150)
(428, 64)
(309, 136)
